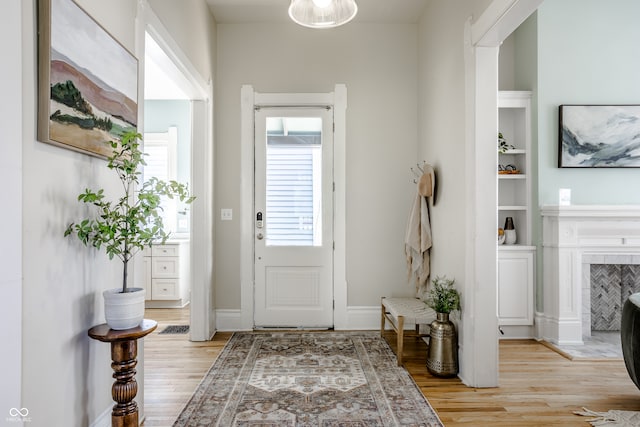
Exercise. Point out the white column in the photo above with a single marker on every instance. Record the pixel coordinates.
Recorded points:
(561, 285)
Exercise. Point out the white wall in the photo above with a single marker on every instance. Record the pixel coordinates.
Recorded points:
(442, 142)
(442, 127)
(66, 377)
(378, 64)
(193, 28)
(441, 131)
(11, 214)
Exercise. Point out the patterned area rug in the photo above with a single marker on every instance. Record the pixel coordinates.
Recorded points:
(328, 379)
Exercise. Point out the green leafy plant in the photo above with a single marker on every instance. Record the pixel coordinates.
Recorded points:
(503, 145)
(130, 223)
(443, 297)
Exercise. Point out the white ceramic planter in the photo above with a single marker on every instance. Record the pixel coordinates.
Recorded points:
(124, 310)
(510, 237)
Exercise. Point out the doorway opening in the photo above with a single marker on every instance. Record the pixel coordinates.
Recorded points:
(167, 143)
(250, 102)
(177, 120)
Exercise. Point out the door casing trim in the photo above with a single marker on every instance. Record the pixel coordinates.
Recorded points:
(249, 99)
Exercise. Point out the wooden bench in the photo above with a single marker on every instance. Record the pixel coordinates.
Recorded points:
(401, 311)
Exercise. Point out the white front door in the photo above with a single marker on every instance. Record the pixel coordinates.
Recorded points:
(293, 217)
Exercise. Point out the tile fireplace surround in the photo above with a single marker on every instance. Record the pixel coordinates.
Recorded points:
(574, 237)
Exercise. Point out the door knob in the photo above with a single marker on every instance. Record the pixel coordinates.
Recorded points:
(260, 236)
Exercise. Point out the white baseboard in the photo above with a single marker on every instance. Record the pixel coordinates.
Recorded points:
(166, 304)
(228, 320)
(104, 419)
(363, 318)
(517, 332)
(358, 318)
(539, 322)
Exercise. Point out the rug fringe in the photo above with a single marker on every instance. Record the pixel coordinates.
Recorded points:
(599, 416)
(609, 418)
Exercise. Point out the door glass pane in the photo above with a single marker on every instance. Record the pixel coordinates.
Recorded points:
(294, 181)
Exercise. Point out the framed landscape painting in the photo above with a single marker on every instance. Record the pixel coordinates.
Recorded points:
(599, 136)
(87, 81)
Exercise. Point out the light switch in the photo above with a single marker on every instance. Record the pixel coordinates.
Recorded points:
(226, 214)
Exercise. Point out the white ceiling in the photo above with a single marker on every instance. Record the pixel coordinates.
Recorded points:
(381, 11)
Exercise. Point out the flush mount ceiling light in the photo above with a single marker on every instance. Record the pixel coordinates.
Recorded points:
(322, 13)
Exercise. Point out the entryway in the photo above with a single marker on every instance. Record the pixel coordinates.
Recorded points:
(272, 268)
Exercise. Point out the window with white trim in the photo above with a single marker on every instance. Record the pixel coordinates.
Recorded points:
(162, 162)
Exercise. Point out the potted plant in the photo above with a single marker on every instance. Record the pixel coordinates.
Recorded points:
(443, 298)
(503, 145)
(126, 225)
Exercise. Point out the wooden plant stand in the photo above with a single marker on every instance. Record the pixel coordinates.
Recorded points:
(124, 351)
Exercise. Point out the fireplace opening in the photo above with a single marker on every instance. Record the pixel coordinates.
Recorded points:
(610, 286)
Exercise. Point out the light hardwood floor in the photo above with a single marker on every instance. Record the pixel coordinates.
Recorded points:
(538, 387)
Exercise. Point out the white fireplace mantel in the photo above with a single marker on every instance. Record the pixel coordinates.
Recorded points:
(571, 236)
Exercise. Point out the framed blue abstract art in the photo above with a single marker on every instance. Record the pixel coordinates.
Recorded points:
(599, 136)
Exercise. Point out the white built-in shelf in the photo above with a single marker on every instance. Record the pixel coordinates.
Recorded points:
(514, 189)
(516, 247)
(512, 176)
(516, 263)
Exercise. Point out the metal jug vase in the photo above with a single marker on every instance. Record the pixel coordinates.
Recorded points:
(442, 357)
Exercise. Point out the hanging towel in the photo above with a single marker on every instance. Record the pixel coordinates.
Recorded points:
(418, 243)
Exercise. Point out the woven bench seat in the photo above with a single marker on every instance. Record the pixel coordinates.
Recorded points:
(401, 311)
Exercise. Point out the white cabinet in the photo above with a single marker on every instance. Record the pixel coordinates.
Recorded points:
(167, 278)
(515, 287)
(516, 263)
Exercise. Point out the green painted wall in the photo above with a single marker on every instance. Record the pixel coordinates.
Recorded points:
(574, 52)
(159, 115)
(588, 53)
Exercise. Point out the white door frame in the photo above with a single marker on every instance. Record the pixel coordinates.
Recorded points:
(479, 358)
(249, 100)
(201, 242)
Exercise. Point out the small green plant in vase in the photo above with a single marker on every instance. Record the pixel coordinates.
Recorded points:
(132, 222)
(443, 297)
(442, 355)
